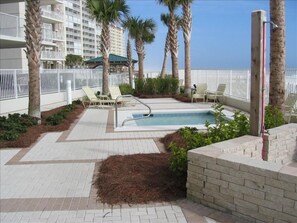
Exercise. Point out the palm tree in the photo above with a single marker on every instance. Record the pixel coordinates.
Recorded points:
(187, 30)
(142, 31)
(165, 20)
(277, 54)
(33, 34)
(130, 64)
(172, 5)
(107, 12)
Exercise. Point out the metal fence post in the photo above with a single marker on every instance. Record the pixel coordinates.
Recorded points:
(74, 80)
(15, 84)
(59, 82)
(230, 82)
(248, 82)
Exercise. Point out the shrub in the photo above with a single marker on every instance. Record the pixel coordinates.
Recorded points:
(149, 86)
(273, 117)
(126, 89)
(178, 160)
(15, 124)
(222, 130)
(139, 86)
(57, 118)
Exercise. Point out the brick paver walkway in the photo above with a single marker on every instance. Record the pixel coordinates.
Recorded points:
(52, 180)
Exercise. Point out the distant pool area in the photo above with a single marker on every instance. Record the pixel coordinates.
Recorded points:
(167, 119)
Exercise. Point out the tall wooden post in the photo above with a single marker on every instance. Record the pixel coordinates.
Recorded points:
(257, 71)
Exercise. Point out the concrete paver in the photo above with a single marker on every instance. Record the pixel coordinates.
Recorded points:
(52, 181)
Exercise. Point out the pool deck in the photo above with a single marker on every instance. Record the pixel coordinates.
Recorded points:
(51, 181)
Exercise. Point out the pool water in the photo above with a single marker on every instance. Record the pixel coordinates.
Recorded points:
(190, 118)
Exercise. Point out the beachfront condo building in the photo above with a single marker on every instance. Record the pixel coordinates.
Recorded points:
(68, 28)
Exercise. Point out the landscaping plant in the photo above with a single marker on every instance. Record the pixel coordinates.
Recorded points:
(221, 131)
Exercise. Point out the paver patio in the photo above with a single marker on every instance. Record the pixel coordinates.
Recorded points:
(52, 180)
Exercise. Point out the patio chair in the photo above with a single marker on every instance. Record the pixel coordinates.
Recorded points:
(289, 104)
(102, 101)
(116, 92)
(200, 92)
(219, 93)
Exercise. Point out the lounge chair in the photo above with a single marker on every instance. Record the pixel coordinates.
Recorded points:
(289, 104)
(200, 92)
(116, 92)
(219, 93)
(102, 101)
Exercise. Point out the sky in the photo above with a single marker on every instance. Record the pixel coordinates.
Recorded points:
(221, 33)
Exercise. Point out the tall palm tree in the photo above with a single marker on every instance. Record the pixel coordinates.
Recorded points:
(187, 30)
(33, 34)
(277, 54)
(165, 19)
(107, 12)
(130, 64)
(142, 31)
(172, 5)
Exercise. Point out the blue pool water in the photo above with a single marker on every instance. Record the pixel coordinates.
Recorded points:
(189, 118)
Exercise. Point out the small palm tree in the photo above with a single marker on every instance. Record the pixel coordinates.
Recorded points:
(107, 12)
(172, 5)
(142, 31)
(277, 54)
(165, 19)
(187, 30)
(33, 33)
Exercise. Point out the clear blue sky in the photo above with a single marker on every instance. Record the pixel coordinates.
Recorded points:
(221, 33)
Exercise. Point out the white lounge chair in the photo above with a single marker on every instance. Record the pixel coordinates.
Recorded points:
(200, 92)
(116, 92)
(219, 93)
(102, 101)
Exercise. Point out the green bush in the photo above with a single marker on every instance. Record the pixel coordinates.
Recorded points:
(273, 117)
(57, 118)
(126, 89)
(221, 131)
(139, 86)
(159, 86)
(178, 160)
(15, 124)
(9, 135)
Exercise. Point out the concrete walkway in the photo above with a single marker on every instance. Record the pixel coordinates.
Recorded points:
(52, 180)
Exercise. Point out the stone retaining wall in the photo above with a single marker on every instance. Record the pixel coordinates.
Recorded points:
(230, 176)
(280, 144)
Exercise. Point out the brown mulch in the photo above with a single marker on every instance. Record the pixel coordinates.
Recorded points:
(138, 178)
(174, 137)
(33, 133)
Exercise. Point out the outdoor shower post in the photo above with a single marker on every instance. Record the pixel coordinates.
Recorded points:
(257, 71)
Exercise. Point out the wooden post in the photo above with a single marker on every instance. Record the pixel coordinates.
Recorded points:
(257, 57)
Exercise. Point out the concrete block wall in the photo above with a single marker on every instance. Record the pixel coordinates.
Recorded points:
(235, 180)
(280, 145)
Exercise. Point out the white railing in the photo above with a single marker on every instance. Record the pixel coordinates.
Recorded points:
(14, 83)
(52, 14)
(237, 81)
(11, 25)
(52, 55)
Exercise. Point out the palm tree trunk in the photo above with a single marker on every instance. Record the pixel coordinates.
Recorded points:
(173, 44)
(187, 29)
(166, 50)
(130, 64)
(140, 52)
(277, 54)
(105, 48)
(33, 50)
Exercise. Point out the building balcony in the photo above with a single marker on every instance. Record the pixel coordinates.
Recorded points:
(52, 55)
(42, 2)
(51, 16)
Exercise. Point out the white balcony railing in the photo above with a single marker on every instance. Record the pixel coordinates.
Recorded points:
(52, 14)
(52, 55)
(50, 36)
(11, 25)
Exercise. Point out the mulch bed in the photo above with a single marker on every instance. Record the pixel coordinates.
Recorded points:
(33, 133)
(138, 178)
(175, 137)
